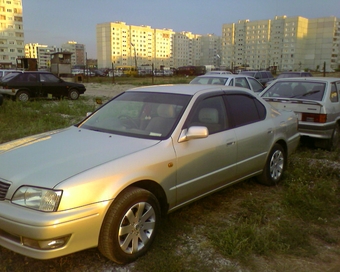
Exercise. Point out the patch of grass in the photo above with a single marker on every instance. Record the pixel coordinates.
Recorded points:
(23, 119)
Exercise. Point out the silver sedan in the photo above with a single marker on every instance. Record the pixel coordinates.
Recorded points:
(243, 81)
(106, 181)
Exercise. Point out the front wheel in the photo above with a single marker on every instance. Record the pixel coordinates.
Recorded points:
(130, 226)
(73, 94)
(275, 165)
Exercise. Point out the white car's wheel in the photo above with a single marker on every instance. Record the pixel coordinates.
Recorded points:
(130, 226)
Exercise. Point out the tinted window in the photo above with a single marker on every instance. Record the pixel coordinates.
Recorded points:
(244, 109)
(264, 75)
(26, 77)
(48, 78)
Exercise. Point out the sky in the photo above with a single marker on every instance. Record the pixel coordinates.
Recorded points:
(54, 22)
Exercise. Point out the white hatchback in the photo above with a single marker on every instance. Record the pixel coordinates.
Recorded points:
(316, 101)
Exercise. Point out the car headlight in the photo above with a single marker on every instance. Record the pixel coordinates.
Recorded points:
(36, 198)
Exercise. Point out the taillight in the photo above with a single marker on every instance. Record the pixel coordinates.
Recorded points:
(314, 117)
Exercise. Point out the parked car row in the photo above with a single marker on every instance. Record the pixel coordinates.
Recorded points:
(150, 151)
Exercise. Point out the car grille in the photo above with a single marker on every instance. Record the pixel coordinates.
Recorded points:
(3, 190)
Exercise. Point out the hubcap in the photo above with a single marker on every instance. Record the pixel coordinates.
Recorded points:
(276, 165)
(136, 227)
(23, 97)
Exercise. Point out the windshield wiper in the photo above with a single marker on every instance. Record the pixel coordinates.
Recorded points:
(311, 92)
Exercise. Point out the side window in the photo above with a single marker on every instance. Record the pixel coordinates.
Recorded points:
(257, 87)
(244, 109)
(48, 78)
(264, 75)
(334, 93)
(241, 82)
(210, 113)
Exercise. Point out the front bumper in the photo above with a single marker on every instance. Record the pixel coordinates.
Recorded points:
(11, 92)
(80, 227)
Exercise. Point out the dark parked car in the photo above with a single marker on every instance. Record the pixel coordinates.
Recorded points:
(262, 76)
(24, 85)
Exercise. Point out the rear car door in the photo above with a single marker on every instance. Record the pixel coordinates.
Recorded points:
(254, 132)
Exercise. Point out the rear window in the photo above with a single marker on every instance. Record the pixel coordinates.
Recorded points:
(297, 89)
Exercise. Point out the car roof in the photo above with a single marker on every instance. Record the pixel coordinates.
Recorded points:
(35, 72)
(310, 79)
(223, 75)
(188, 89)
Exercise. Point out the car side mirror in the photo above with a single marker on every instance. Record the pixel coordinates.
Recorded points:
(195, 132)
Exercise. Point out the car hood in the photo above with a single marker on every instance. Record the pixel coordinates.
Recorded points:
(47, 159)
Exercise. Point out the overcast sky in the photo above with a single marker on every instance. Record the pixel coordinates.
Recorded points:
(54, 22)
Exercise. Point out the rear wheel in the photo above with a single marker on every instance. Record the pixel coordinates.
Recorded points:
(334, 142)
(73, 94)
(275, 165)
(130, 226)
(22, 96)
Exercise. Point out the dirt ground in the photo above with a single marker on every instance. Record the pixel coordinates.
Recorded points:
(105, 90)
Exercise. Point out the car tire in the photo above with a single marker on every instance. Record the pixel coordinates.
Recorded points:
(334, 142)
(73, 94)
(22, 96)
(274, 168)
(130, 225)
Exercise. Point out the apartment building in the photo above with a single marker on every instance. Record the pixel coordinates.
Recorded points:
(78, 57)
(12, 33)
(42, 53)
(286, 43)
(119, 44)
(186, 49)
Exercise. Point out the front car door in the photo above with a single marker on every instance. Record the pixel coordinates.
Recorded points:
(52, 85)
(209, 163)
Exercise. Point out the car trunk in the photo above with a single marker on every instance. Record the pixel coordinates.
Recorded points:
(298, 106)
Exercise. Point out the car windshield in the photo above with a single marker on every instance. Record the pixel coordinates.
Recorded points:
(139, 114)
(210, 80)
(296, 89)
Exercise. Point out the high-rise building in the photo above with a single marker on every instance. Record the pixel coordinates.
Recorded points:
(12, 33)
(286, 43)
(78, 57)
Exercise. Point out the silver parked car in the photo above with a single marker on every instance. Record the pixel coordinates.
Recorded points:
(106, 181)
(316, 101)
(242, 81)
